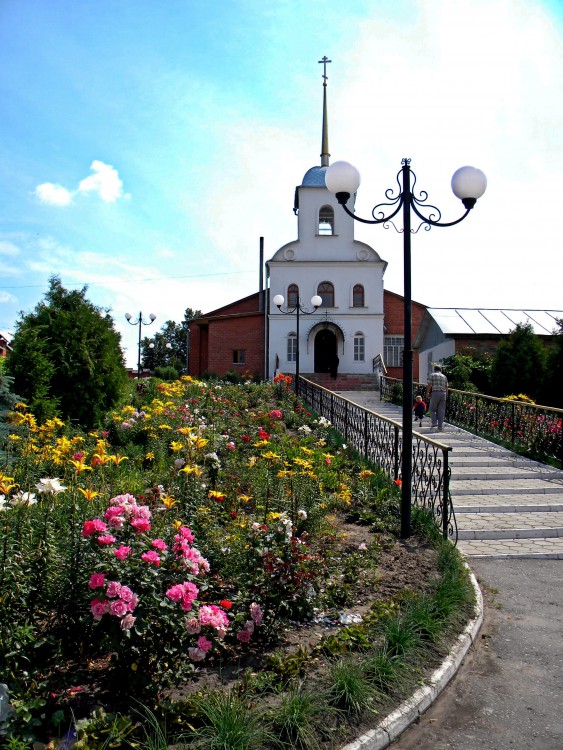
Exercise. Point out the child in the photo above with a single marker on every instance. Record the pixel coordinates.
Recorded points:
(419, 409)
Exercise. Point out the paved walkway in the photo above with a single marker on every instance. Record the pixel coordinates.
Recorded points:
(505, 505)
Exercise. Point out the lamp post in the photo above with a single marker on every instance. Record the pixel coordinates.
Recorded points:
(298, 309)
(139, 322)
(468, 184)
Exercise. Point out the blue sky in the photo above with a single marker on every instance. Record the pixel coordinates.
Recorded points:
(146, 147)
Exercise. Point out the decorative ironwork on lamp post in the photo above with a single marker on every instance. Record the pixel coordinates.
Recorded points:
(139, 322)
(298, 309)
(468, 184)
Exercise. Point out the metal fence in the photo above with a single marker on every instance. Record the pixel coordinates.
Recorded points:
(379, 440)
(536, 431)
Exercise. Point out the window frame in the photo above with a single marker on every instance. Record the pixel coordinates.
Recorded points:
(326, 221)
(322, 292)
(291, 348)
(239, 356)
(359, 347)
(356, 290)
(393, 344)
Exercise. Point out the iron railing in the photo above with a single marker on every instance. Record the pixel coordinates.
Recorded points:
(379, 440)
(536, 431)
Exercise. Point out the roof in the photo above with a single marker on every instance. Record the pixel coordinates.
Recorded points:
(315, 177)
(482, 321)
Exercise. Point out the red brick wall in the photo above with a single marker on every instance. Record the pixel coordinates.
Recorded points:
(394, 322)
(244, 332)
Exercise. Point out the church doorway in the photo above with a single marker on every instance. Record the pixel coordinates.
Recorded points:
(325, 350)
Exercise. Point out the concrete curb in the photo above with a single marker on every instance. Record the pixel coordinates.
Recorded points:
(409, 711)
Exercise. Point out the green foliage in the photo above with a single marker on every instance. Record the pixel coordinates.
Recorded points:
(229, 723)
(66, 358)
(166, 373)
(7, 400)
(520, 364)
(300, 719)
(468, 371)
(349, 688)
(169, 347)
(553, 392)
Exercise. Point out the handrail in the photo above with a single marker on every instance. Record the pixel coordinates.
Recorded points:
(377, 363)
(379, 440)
(532, 429)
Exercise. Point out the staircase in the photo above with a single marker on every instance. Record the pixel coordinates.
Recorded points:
(344, 381)
(506, 506)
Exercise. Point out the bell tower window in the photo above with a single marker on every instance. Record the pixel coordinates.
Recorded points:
(326, 220)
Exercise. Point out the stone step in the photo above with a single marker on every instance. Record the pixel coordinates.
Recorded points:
(549, 548)
(524, 503)
(505, 473)
(461, 487)
(509, 525)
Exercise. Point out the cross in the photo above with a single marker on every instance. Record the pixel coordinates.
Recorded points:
(324, 61)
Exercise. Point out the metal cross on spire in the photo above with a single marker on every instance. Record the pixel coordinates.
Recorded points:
(325, 156)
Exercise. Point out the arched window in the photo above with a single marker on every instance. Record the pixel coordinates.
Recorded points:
(292, 295)
(325, 290)
(358, 296)
(359, 347)
(326, 220)
(292, 347)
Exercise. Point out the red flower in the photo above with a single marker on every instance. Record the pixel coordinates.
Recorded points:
(226, 604)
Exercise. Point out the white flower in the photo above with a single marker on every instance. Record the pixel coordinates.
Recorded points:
(302, 515)
(305, 429)
(2, 502)
(50, 485)
(24, 498)
(323, 422)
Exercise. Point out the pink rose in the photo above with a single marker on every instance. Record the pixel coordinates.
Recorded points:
(175, 592)
(93, 527)
(113, 589)
(97, 580)
(151, 557)
(99, 608)
(141, 524)
(126, 594)
(122, 552)
(196, 654)
(106, 539)
(243, 636)
(276, 414)
(193, 626)
(118, 608)
(204, 644)
(256, 613)
(133, 603)
(159, 544)
(127, 622)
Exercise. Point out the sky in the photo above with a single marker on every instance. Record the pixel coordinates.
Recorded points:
(146, 147)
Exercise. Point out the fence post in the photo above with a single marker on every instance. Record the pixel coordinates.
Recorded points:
(445, 495)
(366, 435)
(513, 421)
(476, 413)
(346, 421)
(396, 454)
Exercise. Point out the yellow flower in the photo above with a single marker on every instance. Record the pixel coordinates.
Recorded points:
(164, 427)
(88, 493)
(366, 473)
(284, 473)
(306, 450)
(175, 446)
(149, 456)
(176, 525)
(186, 430)
(245, 498)
(199, 442)
(117, 459)
(168, 501)
(191, 470)
(216, 495)
(271, 456)
(14, 437)
(251, 461)
(80, 466)
(260, 444)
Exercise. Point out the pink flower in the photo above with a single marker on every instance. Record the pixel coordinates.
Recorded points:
(122, 552)
(231, 446)
(126, 594)
(243, 636)
(113, 589)
(141, 524)
(275, 414)
(93, 527)
(127, 622)
(97, 580)
(175, 592)
(256, 613)
(214, 616)
(193, 626)
(159, 544)
(106, 539)
(151, 557)
(133, 603)
(99, 608)
(141, 511)
(249, 626)
(204, 644)
(186, 534)
(196, 654)
(118, 608)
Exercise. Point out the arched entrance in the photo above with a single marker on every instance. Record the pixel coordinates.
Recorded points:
(325, 350)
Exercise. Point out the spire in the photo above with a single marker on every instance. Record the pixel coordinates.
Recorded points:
(325, 156)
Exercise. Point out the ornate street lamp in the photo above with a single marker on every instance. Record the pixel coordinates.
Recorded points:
(468, 184)
(298, 309)
(139, 322)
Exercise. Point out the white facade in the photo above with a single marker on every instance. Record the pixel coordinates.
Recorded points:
(325, 260)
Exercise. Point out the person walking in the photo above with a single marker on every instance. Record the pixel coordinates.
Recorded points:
(437, 391)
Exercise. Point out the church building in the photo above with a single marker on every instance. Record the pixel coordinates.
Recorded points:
(357, 324)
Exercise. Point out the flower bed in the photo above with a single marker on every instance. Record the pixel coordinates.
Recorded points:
(199, 525)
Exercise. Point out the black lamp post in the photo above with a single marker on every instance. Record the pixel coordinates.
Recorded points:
(298, 309)
(139, 322)
(468, 184)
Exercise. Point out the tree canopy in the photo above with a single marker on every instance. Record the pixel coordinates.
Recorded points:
(67, 359)
(169, 347)
(520, 364)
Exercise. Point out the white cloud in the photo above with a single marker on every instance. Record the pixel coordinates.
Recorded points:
(8, 248)
(105, 182)
(53, 194)
(7, 297)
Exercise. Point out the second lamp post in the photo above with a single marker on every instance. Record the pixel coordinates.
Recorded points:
(298, 309)
(139, 322)
(468, 184)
